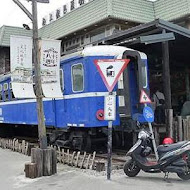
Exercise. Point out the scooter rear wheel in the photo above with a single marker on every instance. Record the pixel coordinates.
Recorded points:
(130, 167)
(184, 176)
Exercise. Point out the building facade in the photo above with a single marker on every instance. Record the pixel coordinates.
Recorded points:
(93, 20)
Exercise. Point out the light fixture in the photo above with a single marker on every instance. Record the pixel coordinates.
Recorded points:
(26, 27)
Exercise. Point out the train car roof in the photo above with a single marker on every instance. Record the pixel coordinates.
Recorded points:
(102, 50)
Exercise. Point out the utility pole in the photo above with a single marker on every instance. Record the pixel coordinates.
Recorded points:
(39, 97)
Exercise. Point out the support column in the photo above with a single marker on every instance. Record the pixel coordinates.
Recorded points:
(167, 85)
(187, 83)
(166, 74)
(187, 25)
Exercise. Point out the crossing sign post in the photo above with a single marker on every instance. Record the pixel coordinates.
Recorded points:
(149, 117)
(110, 71)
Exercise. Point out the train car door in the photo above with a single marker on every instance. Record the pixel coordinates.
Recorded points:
(134, 79)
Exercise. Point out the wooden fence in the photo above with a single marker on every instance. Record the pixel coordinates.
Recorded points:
(76, 159)
(181, 128)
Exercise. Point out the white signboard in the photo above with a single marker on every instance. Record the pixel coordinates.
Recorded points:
(21, 66)
(50, 68)
(110, 107)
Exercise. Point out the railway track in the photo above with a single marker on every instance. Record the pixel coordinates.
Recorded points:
(83, 160)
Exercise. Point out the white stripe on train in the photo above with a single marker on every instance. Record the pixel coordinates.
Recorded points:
(71, 96)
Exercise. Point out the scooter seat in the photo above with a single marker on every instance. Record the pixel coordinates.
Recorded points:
(169, 147)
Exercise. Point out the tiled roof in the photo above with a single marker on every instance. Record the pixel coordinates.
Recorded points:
(7, 31)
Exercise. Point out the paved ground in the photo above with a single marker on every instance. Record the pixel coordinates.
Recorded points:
(12, 177)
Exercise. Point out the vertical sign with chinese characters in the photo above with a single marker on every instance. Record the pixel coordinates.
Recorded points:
(21, 66)
(109, 107)
(50, 67)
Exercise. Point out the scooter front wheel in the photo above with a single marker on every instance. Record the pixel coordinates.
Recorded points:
(184, 176)
(130, 167)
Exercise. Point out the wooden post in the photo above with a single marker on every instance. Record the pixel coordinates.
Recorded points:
(47, 162)
(169, 122)
(30, 170)
(175, 127)
(100, 166)
(166, 73)
(63, 156)
(166, 78)
(187, 83)
(39, 96)
(54, 161)
(77, 158)
(83, 159)
(184, 129)
(188, 128)
(180, 127)
(37, 158)
(170, 117)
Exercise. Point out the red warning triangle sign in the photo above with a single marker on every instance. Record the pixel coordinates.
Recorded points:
(110, 70)
(144, 98)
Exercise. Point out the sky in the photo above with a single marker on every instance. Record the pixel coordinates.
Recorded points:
(12, 15)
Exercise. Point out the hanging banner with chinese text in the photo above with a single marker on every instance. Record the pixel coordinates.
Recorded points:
(21, 67)
(50, 68)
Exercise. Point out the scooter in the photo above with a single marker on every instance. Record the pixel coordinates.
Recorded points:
(173, 158)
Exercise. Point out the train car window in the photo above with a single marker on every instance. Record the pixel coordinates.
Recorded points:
(6, 95)
(77, 78)
(61, 79)
(144, 76)
(11, 91)
(1, 88)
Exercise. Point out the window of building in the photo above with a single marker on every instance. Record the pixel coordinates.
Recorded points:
(97, 35)
(77, 78)
(1, 94)
(62, 47)
(82, 40)
(6, 94)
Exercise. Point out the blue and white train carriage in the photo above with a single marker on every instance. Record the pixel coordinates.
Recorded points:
(77, 118)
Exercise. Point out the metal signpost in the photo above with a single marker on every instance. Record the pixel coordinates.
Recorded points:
(110, 71)
(149, 117)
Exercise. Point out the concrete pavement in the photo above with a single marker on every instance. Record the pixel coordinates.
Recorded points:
(12, 177)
